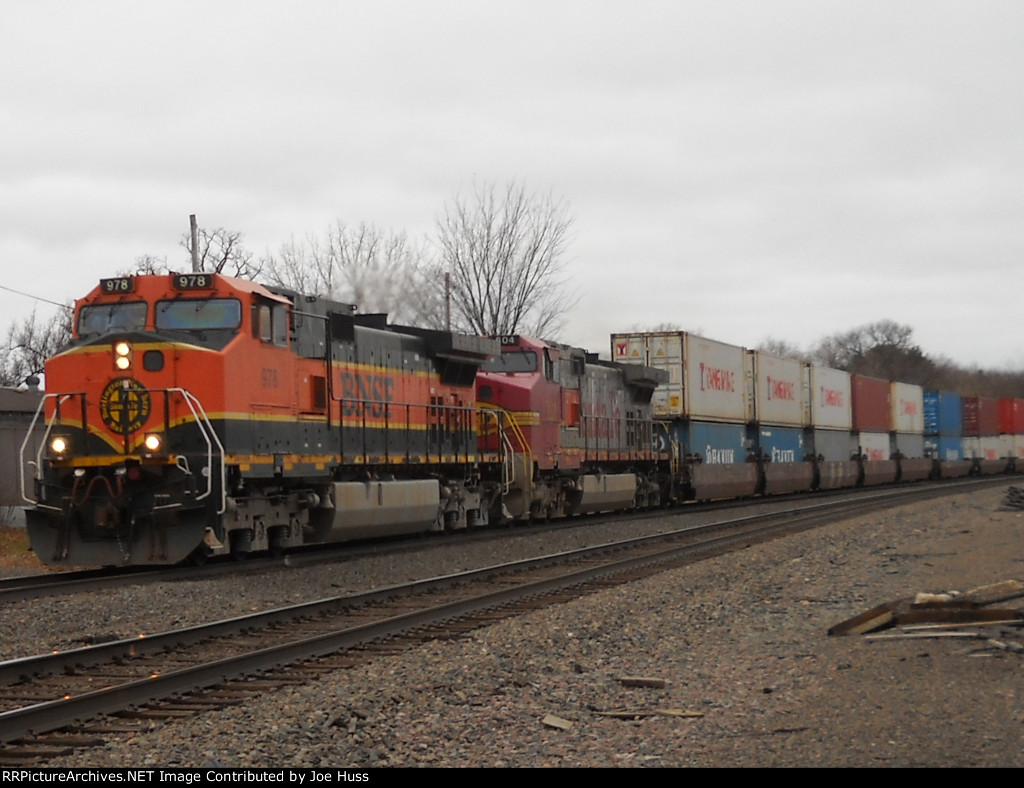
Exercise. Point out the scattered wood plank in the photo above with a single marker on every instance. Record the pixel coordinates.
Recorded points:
(642, 681)
(877, 617)
(996, 592)
(551, 721)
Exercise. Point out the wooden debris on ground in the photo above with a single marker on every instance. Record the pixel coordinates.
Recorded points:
(1014, 498)
(947, 615)
(632, 714)
(642, 681)
(551, 721)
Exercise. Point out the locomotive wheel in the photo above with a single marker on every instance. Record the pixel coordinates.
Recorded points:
(241, 544)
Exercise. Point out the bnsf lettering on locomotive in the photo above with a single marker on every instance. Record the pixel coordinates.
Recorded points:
(715, 379)
(831, 398)
(369, 393)
(781, 389)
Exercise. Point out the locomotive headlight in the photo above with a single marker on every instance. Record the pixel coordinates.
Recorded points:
(60, 447)
(153, 443)
(123, 356)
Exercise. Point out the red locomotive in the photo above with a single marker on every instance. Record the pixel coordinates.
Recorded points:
(579, 431)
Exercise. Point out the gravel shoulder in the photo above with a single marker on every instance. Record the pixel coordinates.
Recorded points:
(740, 642)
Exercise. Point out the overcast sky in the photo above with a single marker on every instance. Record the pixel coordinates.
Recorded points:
(741, 168)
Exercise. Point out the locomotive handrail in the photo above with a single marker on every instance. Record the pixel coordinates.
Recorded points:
(207, 431)
(508, 465)
(61, 398)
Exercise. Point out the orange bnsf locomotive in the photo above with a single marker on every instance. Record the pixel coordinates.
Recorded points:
(196, 414)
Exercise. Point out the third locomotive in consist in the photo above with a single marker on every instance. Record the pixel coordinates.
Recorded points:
(196, 414)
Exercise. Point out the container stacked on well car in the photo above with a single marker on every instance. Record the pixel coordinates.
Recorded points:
(1011, 427)
(702, 411)
(982, 441)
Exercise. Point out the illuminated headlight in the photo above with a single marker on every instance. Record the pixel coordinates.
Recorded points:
(153, 443)
(123, 356)
(60, 446)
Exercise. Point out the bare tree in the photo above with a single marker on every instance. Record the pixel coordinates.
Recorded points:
(882, 349)
(504, 252)
(220, 251)
(30, 343)
(783, 349)
(377, 271)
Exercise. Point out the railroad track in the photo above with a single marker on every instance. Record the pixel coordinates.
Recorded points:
(14, 589)
(56, 702)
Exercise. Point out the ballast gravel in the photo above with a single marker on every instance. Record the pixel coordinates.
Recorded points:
(723, 663)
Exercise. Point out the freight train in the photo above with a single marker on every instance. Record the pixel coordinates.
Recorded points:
(196, 414)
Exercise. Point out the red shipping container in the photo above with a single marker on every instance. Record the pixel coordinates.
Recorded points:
(871, 408)
(1011, 416)
(981, 416)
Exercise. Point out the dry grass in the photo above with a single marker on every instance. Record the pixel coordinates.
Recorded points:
(14, 549)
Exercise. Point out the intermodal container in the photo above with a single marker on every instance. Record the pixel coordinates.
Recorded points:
(776, 390)
(985, 447)
(777, 444)
(874, 446)
(828, 398)
(909, 444)
(907, 402)
(943, 414)
(830, 445)
(871, 405)
(1011, 416)
(948, 448)
(707, 379)
(1015, 446)
(981, 416)
(710, 442)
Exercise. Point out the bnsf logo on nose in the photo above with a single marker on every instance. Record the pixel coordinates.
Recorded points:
(369, 394)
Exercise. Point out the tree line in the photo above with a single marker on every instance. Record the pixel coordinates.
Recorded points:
(495, 265)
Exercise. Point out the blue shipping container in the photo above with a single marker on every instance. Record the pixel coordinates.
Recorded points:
(778, 444)
(944, 447)
(716, 444)
(943, 414)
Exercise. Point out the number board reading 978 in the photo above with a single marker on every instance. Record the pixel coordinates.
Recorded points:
(193, 281)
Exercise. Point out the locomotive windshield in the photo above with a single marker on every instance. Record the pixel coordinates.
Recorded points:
(103, 318)
(202, 314)
(512, 361)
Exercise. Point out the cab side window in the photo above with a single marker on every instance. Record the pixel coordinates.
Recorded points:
(270, 324)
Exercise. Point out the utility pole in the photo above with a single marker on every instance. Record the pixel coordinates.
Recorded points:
(195, 243)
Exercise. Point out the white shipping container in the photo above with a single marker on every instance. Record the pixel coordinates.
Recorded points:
(706, 378)
(777, 394)
(1015, 444)
(828, 395)
(874, 446)
(991, 447)
(907, 408)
